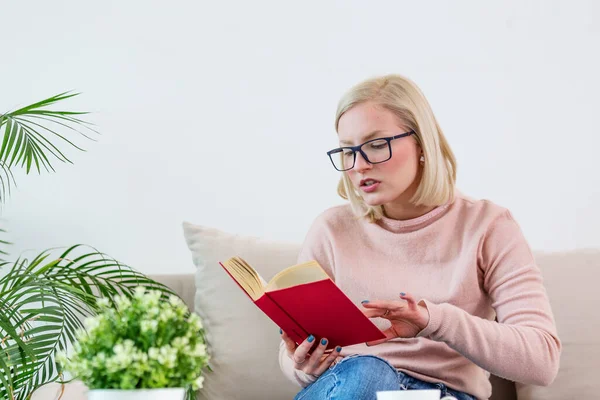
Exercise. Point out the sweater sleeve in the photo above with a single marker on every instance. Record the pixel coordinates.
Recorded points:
(525, 334)
(316, 246)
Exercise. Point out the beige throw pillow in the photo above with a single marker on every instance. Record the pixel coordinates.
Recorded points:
(243, 342)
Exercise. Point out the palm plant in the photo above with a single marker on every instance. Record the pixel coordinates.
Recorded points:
(25, 143)
(44, 300)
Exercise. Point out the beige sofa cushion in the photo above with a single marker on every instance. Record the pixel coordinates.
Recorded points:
(571, 279)
(243, 342)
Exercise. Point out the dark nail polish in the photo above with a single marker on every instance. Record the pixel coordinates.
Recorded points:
(402, 294)
(365, 301)
(280, 331)
(323, 341)
(338, 349)
(311, 338)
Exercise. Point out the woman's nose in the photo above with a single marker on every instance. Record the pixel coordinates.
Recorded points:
(361, 164)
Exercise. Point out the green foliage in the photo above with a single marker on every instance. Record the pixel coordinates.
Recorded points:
(43, 303)
(31, 138)
(143, 343)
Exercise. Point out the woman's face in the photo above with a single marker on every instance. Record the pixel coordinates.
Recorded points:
(392, 182)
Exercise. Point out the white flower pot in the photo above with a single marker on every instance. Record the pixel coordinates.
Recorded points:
(138, 394)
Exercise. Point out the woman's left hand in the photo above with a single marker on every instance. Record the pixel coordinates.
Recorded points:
(406, 316)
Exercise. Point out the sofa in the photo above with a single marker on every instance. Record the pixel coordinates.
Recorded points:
(244, 343)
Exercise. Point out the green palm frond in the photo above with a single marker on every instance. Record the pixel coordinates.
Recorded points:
(44, 301)
(27, 143)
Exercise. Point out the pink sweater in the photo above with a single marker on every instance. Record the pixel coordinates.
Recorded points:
(470, 263)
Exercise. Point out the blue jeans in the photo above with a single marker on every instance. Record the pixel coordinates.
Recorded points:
(360, 377)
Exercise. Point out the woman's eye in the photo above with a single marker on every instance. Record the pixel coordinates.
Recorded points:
(378, 146)
(348, 153)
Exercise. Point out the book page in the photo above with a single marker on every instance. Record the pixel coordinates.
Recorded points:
(246, 277)
(297, 275)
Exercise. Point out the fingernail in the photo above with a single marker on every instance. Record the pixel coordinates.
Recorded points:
(402, 294)
(323, 341)
(311, 338)
(280, 331)
(364, 301)
(338, 349)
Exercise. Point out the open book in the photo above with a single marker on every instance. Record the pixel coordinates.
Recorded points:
(302, 300)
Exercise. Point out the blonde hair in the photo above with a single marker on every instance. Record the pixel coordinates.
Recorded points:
(403, 97)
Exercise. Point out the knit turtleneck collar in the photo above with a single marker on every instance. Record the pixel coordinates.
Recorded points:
(396, 225)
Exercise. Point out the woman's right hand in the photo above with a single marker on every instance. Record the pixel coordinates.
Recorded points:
(311, 363)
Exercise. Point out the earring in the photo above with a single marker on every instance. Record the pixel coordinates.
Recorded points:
(422, 159)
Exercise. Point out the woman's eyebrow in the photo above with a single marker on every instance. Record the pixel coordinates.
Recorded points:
(364, 139)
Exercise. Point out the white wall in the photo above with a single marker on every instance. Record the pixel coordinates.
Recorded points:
(220, 113)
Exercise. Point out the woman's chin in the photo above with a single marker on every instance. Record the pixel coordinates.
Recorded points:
(373, 200)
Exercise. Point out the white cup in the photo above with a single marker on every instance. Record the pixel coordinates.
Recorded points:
(433, 394)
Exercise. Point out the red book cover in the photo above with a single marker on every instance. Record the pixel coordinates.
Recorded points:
(324, 311)
(281, 318)
(317, 308)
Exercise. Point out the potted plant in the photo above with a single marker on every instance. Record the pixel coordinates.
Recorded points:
(43, 300)
(141, 349)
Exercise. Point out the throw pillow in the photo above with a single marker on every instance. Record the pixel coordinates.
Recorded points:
(243, 342)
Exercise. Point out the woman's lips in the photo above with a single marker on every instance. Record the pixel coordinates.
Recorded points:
(369, 185)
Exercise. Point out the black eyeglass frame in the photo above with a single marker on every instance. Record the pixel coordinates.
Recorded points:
(358, 148)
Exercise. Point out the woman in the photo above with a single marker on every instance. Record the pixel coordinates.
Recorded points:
(450, 280)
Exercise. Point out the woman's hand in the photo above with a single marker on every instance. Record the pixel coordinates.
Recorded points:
(406, 316)
(312, 363)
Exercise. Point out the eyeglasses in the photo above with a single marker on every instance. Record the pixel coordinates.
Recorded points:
(374, 151)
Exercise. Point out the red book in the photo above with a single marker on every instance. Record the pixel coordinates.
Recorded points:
(302, 300)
